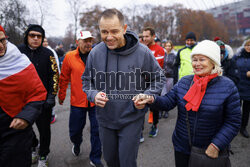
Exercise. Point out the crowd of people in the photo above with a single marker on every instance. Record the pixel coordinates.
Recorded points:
(116, 82)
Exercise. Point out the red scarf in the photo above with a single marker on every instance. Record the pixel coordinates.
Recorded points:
(197, 91)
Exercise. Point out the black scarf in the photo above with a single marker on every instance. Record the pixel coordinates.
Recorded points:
(83, 56)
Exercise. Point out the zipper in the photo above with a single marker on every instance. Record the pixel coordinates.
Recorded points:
(195, 123)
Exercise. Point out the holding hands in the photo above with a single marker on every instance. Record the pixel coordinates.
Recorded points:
(101, 99)
(141, 100)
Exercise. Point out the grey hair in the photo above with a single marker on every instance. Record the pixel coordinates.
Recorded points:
(217, 69)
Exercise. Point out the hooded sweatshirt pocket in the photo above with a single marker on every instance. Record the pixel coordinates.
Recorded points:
(118, 110)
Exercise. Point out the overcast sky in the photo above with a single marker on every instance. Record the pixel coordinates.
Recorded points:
(60, 16)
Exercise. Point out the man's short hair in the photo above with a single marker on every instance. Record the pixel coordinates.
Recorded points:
(140, 35)
(110, 13)
(152, 31)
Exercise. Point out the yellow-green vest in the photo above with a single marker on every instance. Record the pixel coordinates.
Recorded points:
(185, 63)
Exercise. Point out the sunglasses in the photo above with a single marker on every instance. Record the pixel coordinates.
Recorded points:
(38, 36)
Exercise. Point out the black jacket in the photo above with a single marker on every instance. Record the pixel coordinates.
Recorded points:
(45, 64)
(230, 70)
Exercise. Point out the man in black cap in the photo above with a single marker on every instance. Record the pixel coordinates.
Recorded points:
(45, 64)
(183, 65)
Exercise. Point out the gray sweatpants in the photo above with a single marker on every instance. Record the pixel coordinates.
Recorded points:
(120, 147)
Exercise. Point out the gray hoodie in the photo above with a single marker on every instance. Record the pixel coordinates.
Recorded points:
(121, 75)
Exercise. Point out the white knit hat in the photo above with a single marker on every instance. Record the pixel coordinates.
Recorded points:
(209, 49)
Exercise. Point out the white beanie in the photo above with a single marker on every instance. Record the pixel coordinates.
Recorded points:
(209, 49)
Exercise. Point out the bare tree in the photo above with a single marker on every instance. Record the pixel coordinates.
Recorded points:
(13, 19)
(201, 23)
(39, 10)
(68, 39)
(135, 16)
(75, 6)
(89, 20)
(42, 8)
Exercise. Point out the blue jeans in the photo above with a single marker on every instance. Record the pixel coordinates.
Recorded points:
(77, 121)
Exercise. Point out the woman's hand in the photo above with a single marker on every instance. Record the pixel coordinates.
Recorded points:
(141, 100)
(212, 151)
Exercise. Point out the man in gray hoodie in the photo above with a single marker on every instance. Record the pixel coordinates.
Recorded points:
(118, 69)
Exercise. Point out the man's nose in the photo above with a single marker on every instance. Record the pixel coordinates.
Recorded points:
(109, 36)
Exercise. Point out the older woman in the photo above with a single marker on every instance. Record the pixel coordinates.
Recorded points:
(243, 63)
(209, 100)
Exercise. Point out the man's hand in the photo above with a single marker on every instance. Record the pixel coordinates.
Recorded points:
(18, 123)
(248, 74)
(212, 151)
(101, 99)
(141, 100)
(60, 101)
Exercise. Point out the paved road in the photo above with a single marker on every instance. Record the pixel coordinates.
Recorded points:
(154, 152)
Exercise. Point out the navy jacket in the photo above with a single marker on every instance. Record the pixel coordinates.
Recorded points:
(242, 60)
(217, 120)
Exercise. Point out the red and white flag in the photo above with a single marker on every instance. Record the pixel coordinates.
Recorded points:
(19, 81)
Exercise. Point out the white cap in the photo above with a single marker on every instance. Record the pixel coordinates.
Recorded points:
(84, 35)
(209, 49)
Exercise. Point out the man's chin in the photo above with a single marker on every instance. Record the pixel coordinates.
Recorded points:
(111, 47)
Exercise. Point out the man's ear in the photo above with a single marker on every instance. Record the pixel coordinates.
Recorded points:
(125, 28)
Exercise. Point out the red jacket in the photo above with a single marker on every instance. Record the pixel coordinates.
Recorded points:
(72, 70)
(158, 52)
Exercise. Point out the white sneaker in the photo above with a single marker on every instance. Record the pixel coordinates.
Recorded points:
(43, 162)
(35, 155)
(141, 138)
